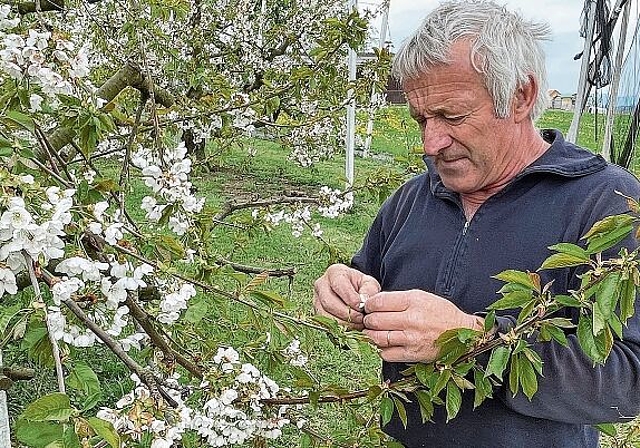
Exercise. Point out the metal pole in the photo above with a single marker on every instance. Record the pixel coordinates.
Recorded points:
(5, 433)
(381, 42)
(615, 84)
(572, 135)
(351, 111)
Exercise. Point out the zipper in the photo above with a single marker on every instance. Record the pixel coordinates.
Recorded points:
(454, 258)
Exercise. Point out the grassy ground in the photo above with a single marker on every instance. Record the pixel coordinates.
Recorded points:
(270, 173)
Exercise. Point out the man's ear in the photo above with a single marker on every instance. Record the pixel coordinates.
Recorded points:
(525, 100)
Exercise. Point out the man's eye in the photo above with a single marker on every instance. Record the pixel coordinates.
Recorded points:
(456, 119)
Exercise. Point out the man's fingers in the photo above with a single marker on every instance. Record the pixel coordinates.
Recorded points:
(394, 320)
(368, 285)
(326, 303)
(386, 338)
(353, 324)
(388, 301)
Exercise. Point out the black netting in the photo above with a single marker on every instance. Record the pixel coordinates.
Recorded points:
(627, 112)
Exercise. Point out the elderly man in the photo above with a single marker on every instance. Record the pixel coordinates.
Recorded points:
(497, 192)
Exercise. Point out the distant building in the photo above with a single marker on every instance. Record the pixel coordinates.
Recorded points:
(559, 101)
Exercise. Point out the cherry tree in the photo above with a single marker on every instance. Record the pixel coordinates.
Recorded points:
(152, 88)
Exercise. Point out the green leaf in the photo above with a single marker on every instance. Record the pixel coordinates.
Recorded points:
(21, 120)
(402, 412)
(386, 410)
(514, 299)
(105, 430)
(607, 428)
(570, 249)
(38, 434)
(426, 405)
(498, 362)
(528, 378)
(534, 359)
(6, 314)
(599, 320)
(561, 322)
(483, 389)
(627, 300)
(269, 298)
(557, 261)
(52, 407)
(489, 321)
(608, 224)
(519, 277)
(453, 401)
(196, 311)
(587, 340)
(70, 438)
(607, 295)
(567, 301)
(423, 373)
(83, 379)
(443, 379)
(604, 241)
(514, 374)
(549, 332)
(5, 151)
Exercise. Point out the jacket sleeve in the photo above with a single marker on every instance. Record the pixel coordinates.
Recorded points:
(572, 389)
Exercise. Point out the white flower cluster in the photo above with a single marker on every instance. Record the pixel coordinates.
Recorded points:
(39, 236)
(5, 22)
(41, 59)
(335, 201)
(171, 187)
(85, 277)
(174, 301)
(294, 354)
(312, 143)
(222, 416)
(236, 414)
(297, 219)
(137, 414)
(201, 128)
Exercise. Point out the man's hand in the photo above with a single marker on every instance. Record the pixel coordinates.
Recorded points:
(406, 324)
(340, 292)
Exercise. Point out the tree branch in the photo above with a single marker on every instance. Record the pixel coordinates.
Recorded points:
(145, 321)
(145, 375)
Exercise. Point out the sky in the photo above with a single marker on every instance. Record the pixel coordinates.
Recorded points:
(562, 15)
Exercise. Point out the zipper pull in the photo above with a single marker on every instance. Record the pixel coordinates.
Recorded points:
(466, 226)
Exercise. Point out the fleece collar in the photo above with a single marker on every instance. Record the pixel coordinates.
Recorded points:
(562, 158)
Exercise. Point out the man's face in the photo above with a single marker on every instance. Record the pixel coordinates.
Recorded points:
(468, 144)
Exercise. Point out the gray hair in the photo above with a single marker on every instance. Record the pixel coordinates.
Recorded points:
(505, 48)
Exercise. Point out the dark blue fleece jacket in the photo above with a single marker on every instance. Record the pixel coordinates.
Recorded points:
(421, 240)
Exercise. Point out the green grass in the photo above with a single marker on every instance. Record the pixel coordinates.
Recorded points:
(236, 175)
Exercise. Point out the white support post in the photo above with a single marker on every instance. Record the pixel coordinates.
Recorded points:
(351, 112)
(381, 42)
(615, 83)
(5, 434)
(572, 135)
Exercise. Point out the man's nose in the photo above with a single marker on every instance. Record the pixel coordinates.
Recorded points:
(435, 136)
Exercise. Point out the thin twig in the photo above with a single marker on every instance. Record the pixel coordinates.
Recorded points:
(231, 206)
(124, 174)
(220, 292)
(287, 272)
(55, 348)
